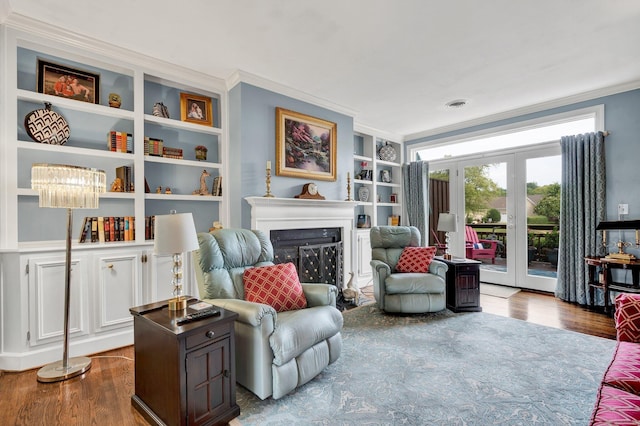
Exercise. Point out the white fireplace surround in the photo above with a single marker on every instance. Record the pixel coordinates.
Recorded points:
(271, 214)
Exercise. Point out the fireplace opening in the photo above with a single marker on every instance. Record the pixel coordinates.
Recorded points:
(317, 254)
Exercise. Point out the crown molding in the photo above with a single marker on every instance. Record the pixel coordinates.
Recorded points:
(531, 109)
(240, 76)
(158, 67)
(368, 130)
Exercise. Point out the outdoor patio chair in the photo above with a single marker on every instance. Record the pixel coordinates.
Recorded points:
(477, 248)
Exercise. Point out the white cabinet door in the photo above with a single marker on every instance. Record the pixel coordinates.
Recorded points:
(119, 275)
(363, 243)
(46, 304)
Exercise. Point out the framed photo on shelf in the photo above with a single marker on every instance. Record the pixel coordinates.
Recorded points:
(196, 109)
(393, 198)
(305, 146)
(66, 82)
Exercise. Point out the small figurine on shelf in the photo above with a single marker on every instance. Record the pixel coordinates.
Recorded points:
(159, 190)
(203, 184)
(201, 152)
(167, 190)
(114, 100)
(366, 173)
(117, 186)
(216, 225)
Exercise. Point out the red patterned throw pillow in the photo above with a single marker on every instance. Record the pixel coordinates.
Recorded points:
(627, 317)
(415, 259)
(276, 285)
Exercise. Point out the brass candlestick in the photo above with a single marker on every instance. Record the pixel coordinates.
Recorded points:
(268, 194)
(349, 189)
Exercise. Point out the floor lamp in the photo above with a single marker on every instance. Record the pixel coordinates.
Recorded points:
(447, 222)
(70, 187)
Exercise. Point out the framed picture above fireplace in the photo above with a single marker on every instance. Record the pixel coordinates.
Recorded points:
(305, 146)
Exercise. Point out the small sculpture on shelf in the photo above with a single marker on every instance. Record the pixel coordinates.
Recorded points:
(201, 152)
(203, 184)
(159, 190)
(167, 190)
(366, 173)
(117, 186)
(115, 100)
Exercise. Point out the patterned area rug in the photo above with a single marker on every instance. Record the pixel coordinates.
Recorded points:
(445, 369)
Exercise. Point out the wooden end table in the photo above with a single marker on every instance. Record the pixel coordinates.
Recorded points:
(463, 284)
(184, 375)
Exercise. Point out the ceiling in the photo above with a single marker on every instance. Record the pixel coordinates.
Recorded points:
(394, 64)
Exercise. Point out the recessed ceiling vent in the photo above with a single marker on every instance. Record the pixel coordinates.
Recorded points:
(458, 103)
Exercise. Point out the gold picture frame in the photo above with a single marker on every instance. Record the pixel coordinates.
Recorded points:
(196, 109)
(305, 146)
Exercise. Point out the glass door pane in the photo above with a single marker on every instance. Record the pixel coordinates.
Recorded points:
(488, 218)
(543, 177)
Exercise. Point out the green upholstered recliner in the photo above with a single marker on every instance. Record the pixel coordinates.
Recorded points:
(275, 351)
(404, 292)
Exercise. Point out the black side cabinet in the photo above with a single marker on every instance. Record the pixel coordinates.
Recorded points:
(463, 284)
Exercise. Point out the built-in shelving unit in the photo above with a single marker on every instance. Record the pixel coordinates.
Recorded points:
(384, 193)
(107, 277)
(379, 206)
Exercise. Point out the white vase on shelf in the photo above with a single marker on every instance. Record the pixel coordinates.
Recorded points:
(363, 194)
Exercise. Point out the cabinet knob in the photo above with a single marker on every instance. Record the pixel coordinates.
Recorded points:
(110, 266)
(210, 334)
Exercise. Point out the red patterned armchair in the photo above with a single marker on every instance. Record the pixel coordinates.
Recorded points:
(618, 400)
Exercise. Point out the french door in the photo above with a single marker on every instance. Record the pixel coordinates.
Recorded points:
(500, 197)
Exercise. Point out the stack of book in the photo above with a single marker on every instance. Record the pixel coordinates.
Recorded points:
(169, 152)
(120, 141)
(153, 146)
(125, 173)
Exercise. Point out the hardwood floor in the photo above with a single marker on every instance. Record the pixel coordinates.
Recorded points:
(102, 396)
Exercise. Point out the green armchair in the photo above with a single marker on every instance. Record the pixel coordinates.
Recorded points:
(407, 292)
(275, 351)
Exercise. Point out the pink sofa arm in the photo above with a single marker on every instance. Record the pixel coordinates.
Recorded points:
(627, 317)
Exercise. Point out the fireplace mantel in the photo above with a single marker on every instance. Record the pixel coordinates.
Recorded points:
(269, 214)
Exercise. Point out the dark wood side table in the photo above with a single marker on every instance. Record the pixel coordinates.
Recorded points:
(463, 284)
(599, 276)
(184, 375)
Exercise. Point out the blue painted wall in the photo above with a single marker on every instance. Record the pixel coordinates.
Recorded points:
(252, 134)
(622, 119)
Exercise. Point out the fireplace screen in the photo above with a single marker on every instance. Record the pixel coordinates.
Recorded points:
(317, 253)
(321, 263)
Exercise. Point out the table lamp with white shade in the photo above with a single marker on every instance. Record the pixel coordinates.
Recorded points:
(175, 234)
(447, 222)
(70, 187)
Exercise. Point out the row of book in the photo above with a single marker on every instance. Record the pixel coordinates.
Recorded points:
(125, 174)
(105, 229)
(120, 141)
(155, 147)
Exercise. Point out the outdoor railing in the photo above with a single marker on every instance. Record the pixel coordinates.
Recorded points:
(498, 231)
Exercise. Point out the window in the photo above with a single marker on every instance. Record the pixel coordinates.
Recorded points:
(512, 137)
